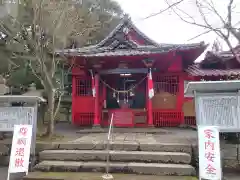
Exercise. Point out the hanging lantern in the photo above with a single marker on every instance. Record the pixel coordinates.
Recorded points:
(132, 93)
(148, 62)
(114, 94)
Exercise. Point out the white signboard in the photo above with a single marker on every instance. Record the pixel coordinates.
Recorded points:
(209, 153)
(10, 116)
(20, 152)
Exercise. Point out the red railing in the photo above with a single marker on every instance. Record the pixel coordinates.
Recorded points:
(122, 117)
(125, 118)
(167, 118)
(190, 120)
(140, 114)
(83, 119)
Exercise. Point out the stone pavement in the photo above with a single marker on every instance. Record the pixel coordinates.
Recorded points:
(171, 135)
(3, 173)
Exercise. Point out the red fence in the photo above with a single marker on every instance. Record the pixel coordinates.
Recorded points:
(190, 120)
(168, 118)
(83, 119)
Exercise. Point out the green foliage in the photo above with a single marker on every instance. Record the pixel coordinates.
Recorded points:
(23, 77)
(35, 28)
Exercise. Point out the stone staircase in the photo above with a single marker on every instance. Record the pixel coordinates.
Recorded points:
(125, 157)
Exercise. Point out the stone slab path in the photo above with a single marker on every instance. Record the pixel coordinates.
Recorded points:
(184, 136)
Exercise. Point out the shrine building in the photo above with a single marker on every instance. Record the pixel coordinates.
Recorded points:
(116, 76)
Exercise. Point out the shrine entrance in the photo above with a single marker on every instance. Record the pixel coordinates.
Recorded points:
(125, 98)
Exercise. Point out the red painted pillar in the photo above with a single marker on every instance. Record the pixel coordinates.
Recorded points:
(104, 97)
(181, 96)
(96, 121)
(181, 92)
(74, 90)
(149, 107)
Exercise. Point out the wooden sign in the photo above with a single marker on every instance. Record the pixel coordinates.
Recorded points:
(209, 153)
(20, 152)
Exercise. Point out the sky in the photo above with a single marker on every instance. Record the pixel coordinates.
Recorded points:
(167, 27)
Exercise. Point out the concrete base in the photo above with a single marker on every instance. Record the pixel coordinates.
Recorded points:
(121, 167)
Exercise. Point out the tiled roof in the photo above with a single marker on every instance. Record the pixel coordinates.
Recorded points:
(224, 55)
(140, 50)
(196, 70)
(120, 43)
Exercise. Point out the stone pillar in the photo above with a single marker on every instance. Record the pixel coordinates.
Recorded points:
(3, 90)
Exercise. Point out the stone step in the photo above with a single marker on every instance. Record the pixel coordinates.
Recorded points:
(125, 130)
(116, 167)
(97, 176)
(126, 146)
(125, 156)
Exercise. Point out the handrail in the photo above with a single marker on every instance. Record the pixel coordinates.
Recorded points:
(110, 128)
(108, 143)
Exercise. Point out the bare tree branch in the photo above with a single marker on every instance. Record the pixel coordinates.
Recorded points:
(197, 36)
(190, 22)
(227, 24)
(164, 10)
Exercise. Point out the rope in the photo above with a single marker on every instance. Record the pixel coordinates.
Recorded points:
(127, 91)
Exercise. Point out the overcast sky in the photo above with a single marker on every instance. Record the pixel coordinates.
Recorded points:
(168, 27)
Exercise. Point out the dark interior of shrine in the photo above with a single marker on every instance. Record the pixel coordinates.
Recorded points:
(125, 90)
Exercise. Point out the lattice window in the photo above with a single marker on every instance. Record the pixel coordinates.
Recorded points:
(167, 84)
(83, 87)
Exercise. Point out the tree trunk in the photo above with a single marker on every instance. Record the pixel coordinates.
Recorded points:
(50, 113)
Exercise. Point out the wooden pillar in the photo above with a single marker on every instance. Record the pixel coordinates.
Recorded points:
(181, 96)
(104, 96)
(181, 92)
(96, 121)
(74, 93)
(149, 107)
